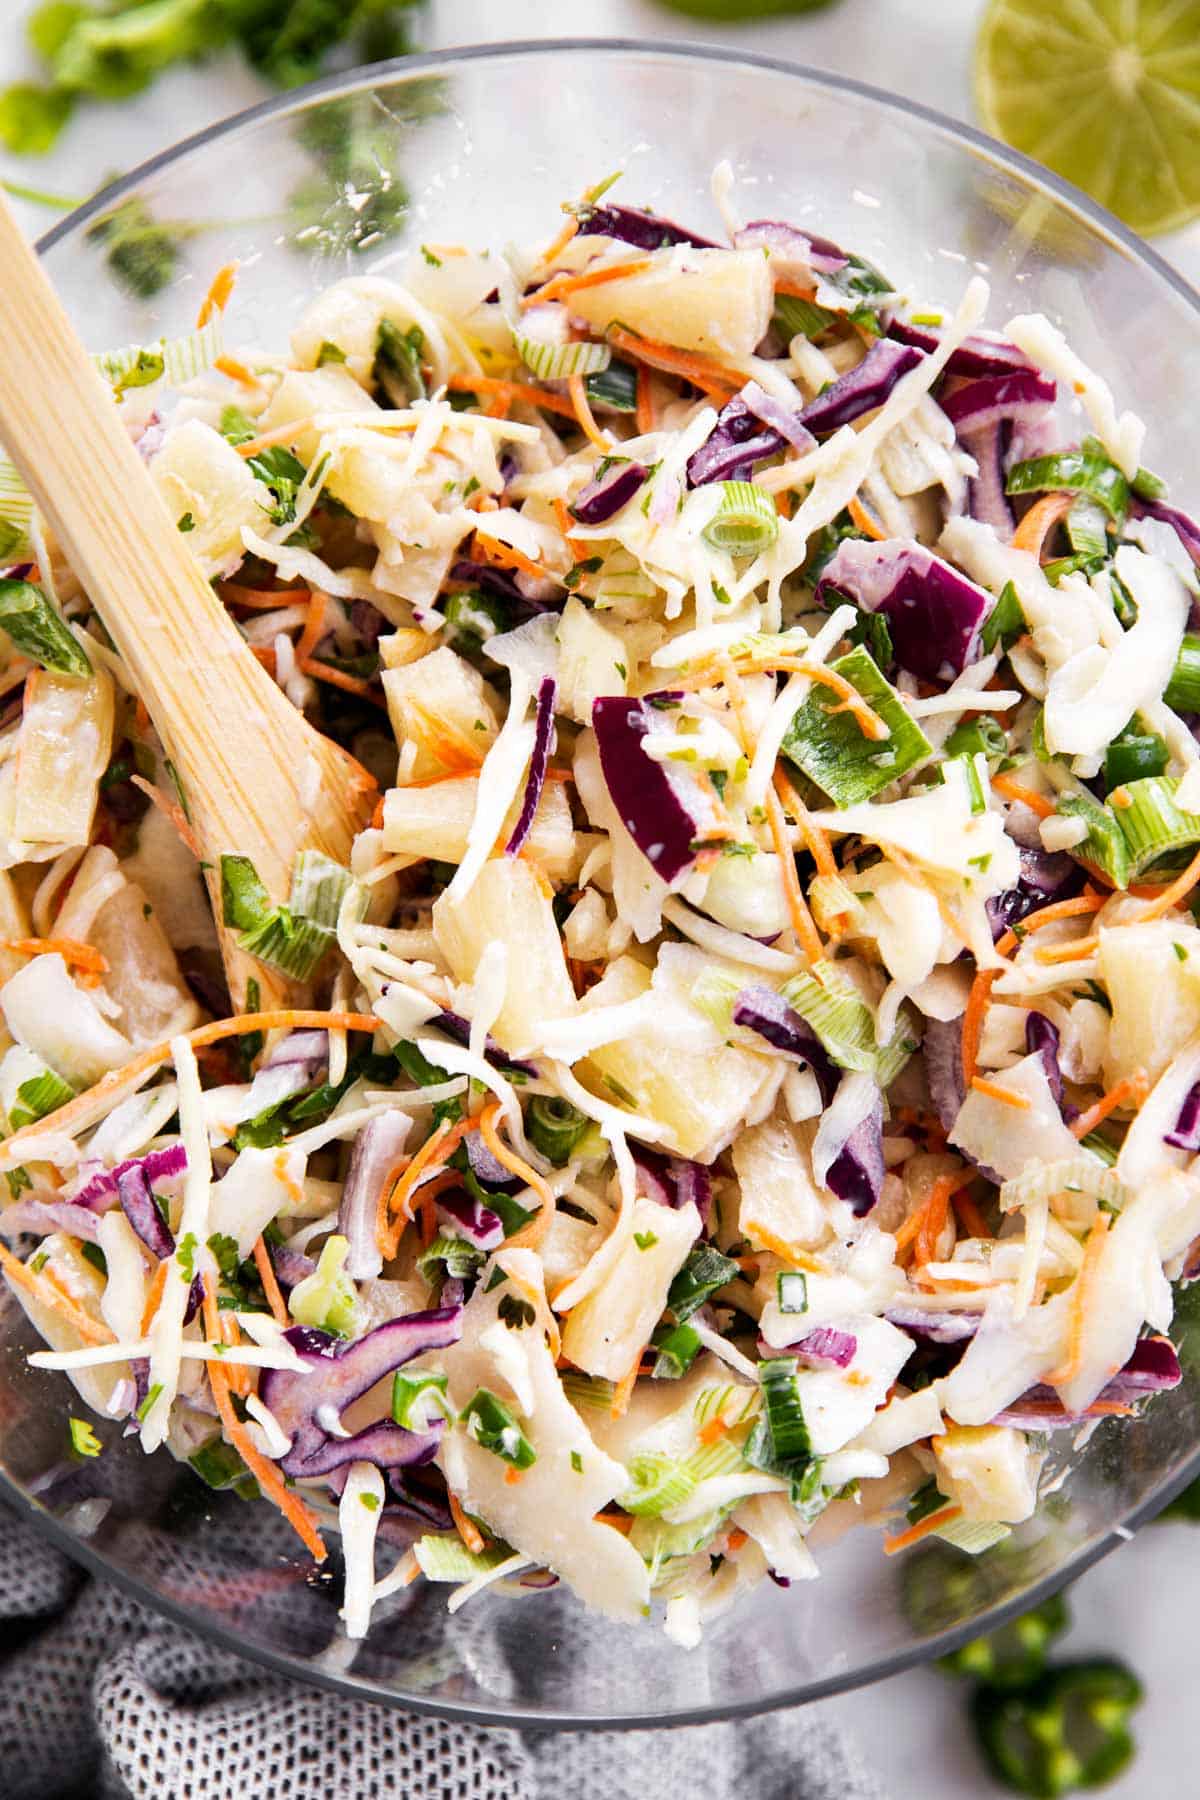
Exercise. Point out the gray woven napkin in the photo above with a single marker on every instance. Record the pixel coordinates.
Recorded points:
(100, 1698)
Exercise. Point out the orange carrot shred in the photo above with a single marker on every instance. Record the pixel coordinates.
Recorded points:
(644, 412)
(314, 625)
(862, 518)
(512, 390)
(154, 1294)
(1131, 1089)
(1172, 895)
(466, 1527)
(261, 1467)
(559, 286)
(82, 956)
(807, 935)
(1040, 520)
(1014, 790)
(35, 1282)
(921, 1529)
(583, 414)
(173, 811)
(1084, 1282)
(217, 297)
(270, 1287)
(1007, 1096)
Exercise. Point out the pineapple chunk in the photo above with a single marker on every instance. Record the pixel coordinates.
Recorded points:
(701, 1096)
(302, 393)
(781, 1206)
(445, 691)
(550, 1513)
(988, 1470)
(592, 661)
(349, 315)
(63, 750)
(61, 1023)
(715, 301)
(199, 475)
(1155, 996)
(434, 821)
(610, 1326)
(507, 905)
(143, 976)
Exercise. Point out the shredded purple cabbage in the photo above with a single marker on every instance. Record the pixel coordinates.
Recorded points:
(1183, 525)
(34, 1218)
(1046, 875)
(861, 389)
(606, 494)
(1043, 1037)
(644, 230)
(980, 354)
(1152, 1369)
(163, 1165)
(934, 613)
(993, 399)
(759, 1008)
(469, 1219)
(986, 498)
(138, 1204)
(1185, 1134)
(802, 249)
(374, 1159)
(649, 803)
(338, 1373)
(543, 744)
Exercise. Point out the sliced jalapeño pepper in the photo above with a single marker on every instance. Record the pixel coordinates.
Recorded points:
(1066, 1731)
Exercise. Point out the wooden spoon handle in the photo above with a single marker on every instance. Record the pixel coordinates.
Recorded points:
(258, 779)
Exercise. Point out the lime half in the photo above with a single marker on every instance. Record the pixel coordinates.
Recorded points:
(1106, 93)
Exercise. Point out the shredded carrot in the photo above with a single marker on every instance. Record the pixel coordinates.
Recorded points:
(154, 1294)
(973, 1017)
(1040, 520)
(564, 525)
(265, 654)
(736, 1538)
(261, 1467)
(314, 625)
(513, 1476)
(783, 503)
(1171, 896)
(1014, 790)
(559, 286)
(864, 521)
(703, 371)
(240, 1375)
(458, 753)
(466, 1528)
(352, 684)
(286, 433)
(555, 249)
(619, 1521)
(257, 600)
(922, 1529)
(531, 1233)
(623, 1389)
(1007, 1096)
(81, 956)
(1081, 1291)
(399, 1198)
(293, 1018)
(236, 371)
(815, 840)
(1131, 1090)
(217, 297)
(932, 1212)
(794, 290)
(173, 811)
(493, 550)
(270, 1287)
(35, 1282)
(969, 1214)
(792, 1254)
(807, 935)
(712, 1430)
(1074, 951)
(643, 417)
(512, 390)
(869, 723)
(584, 416)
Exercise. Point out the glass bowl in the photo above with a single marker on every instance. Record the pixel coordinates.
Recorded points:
(484, 146)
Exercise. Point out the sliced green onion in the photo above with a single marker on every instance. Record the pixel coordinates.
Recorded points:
(179, 359)
(702, 1274)
(658, 1481)
(555, 1127)
(1148, 486)
(1152, 825)
(36, 628)
(614, 389)
(794, 317)
(219, 1466)
(293, 946)
(319, 885)
(678, 1347)
(1060, 566)
(1086, 528)
(443, 1556)
(327, 1298)
(973, 1536)
(490, 1425)
(1133, 756)
(830, 748)
(589, 1392)
(397, 365)
(779, 1444)
(1072, 1175)
(84, 1441)
(245, 902)
(970, 775)
(980, 736)
(1005, 622)
(412, 1394)
(556, 362)
(473, 617)
(459, 1260)
(791, 1292)
(829, 1001)
(37, 1097)
(1084, 471)
(1104, 846)
(745, 523)
(1183, 690)
(657, 1543)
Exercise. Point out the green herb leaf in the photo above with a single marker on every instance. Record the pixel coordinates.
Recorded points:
(37, 629)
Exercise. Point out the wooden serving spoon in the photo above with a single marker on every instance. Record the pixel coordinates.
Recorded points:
(258, 779)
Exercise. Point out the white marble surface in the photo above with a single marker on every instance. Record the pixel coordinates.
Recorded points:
(1143, 1603)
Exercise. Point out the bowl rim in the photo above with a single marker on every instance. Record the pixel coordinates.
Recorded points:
(1099, 220)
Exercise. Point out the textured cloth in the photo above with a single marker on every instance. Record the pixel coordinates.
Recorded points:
(102, 1700)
